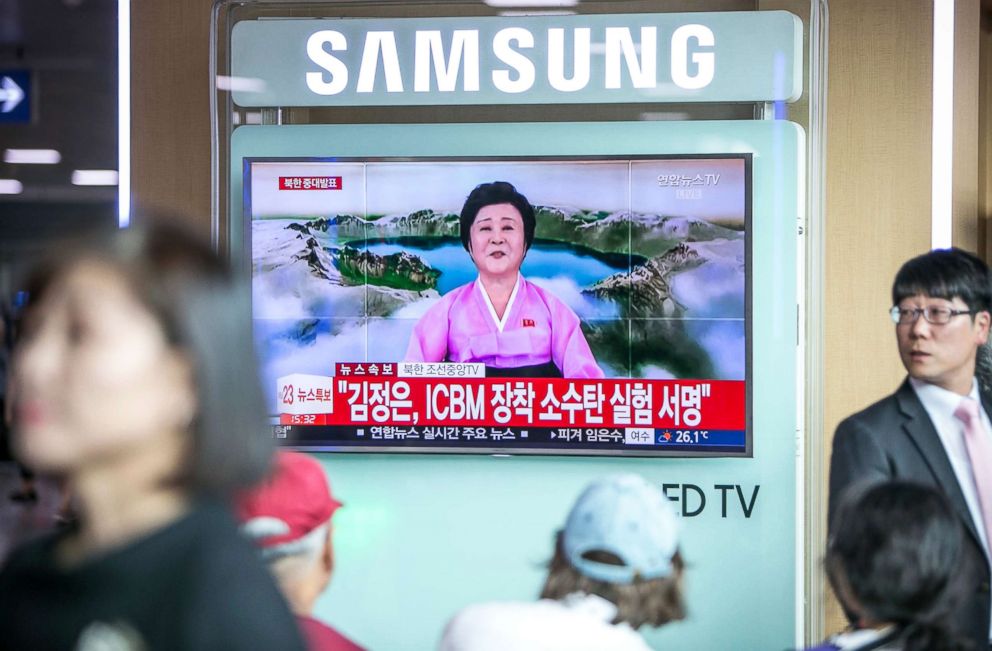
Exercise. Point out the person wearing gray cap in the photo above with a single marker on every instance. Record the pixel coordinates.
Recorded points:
(616, 567)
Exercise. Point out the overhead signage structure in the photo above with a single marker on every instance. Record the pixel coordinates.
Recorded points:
(696, 57)
(15, 103)
(700, 214)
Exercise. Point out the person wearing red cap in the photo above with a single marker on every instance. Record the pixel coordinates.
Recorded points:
(289, 518)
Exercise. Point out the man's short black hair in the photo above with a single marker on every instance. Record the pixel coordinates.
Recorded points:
(490, 194)
(946, 273)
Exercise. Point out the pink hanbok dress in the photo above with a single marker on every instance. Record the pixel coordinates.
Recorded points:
(539, 336)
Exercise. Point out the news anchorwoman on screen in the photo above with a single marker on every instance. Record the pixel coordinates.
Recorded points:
(514, 327)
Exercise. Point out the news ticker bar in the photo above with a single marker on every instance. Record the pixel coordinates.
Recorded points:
(560, 438)
(347, 400)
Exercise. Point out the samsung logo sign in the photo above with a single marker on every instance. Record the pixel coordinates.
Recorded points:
(438, 66)
(700, 57)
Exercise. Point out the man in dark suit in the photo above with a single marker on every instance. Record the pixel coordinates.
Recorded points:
(934, 429)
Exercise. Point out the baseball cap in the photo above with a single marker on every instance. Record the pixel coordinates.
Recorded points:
(626, 516)
(294, 500)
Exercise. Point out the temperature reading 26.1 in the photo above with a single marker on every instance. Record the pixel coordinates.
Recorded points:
(691, 435)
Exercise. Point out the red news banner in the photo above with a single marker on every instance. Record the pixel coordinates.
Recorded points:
(374, 394)
(309, 182)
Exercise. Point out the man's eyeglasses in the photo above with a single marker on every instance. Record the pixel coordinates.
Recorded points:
(935, 315)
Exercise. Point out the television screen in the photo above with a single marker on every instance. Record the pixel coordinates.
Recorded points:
(599, 306)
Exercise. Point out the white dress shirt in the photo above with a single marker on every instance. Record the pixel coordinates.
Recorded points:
(940, 405)
(858, 639)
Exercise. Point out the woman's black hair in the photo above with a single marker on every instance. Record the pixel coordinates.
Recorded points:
(205, 312)
(489, 194)
(946, 273)
(896, 557)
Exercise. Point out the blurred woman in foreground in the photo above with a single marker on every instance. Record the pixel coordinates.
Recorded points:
(136, 385)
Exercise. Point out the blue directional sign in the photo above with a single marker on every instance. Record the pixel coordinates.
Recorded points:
(15, 96)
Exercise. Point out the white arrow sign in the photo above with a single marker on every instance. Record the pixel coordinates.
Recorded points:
(10, 94)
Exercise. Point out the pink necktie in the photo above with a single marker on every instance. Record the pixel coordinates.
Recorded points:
(979, 445)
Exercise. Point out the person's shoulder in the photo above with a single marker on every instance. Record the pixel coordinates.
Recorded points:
(321, 637)
(25, 562)
(451, 297)
(865, 444)
(878, 415)
(535, 625)
(551, 300)
(490, 626)
(223, 557)
(484, 614)
(31, 556)
(233, 597)
(459, 292)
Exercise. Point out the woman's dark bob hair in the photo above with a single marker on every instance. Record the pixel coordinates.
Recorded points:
(896, 556)
(490, 194)
(206, 314)
(654, 602)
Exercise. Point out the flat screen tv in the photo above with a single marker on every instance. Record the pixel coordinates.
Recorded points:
(626, 333)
